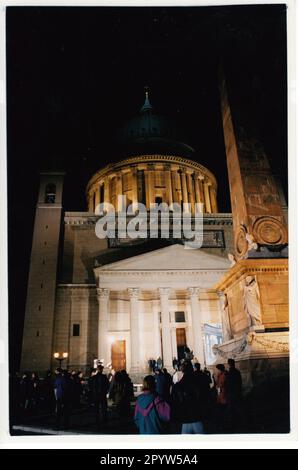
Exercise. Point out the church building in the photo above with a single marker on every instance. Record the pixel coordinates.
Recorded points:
(124, 301)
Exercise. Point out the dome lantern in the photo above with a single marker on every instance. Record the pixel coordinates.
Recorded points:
(147, 105)
(150, 133)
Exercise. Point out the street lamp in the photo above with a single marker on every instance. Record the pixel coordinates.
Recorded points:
(60, 357)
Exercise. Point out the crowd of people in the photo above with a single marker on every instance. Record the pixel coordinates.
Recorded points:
(191, 398)
(59, 393)
(186, 402)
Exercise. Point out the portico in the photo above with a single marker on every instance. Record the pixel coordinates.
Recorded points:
(156, 311)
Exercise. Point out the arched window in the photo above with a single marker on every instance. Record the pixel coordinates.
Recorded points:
(50, 195)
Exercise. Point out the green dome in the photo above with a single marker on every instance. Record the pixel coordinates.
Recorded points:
(151, 133)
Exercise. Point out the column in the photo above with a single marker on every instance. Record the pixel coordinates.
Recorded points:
(134, 185)
(199, 192)
(169, 193)
(157, 338)
(165, 328)
(200, 181)
(189, 337)
(190, 191)
(174, 186)
(174, 342)
(90, 202)
(146, 173)
(184, 188)
(96, 208)
(103, 318)
(197, 324)
(207, 197)
(119, 189)
(107, 190)
(133, 293)
(208, 348)
(213, 200)
(150, 188)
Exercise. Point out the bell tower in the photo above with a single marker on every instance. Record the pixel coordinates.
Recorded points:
(40, 302)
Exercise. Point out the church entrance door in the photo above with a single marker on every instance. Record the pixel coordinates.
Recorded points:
(181, 342)
(118, 355)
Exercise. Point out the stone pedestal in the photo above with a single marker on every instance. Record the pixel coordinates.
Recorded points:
(270, 280)
(257, 307)
(261, 357)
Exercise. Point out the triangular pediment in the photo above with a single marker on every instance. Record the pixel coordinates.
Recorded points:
(174, 257)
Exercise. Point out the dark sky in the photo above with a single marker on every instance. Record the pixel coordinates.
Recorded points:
(75, 75)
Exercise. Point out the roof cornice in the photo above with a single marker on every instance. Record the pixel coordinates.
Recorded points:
(175, 159)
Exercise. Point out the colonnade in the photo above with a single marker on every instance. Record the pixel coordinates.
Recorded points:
(163, 330)
(180, 185)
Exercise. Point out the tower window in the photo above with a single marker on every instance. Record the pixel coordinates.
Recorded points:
(179, 317)
(76, 329)
(50, 195)
(37, 333)
(158, 199)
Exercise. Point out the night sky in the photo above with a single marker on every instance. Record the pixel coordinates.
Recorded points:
(76, 75)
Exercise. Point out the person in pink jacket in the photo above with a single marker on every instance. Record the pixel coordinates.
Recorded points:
(152, 413)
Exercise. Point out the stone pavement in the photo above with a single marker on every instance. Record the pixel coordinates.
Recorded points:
(262, 412)
(82, 421)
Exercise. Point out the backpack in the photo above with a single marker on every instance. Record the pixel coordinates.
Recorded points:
(163, 424)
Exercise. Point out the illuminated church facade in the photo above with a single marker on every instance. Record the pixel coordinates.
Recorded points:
(124, 301)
